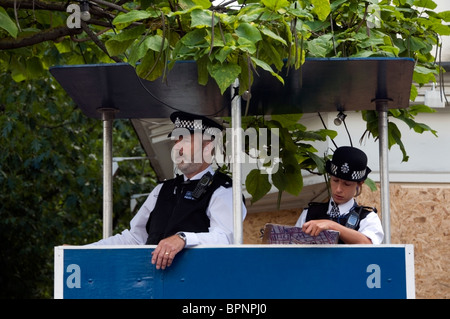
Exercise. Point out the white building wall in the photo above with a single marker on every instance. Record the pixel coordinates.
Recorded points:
(428, 155)
(444, 5)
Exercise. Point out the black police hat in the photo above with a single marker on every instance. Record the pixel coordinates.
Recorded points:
(348, 163)
(193, 122)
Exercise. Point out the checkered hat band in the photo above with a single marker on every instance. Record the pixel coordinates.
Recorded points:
(193, 125)
(333, 169)
(345, 169)
(190, 125)
(359, 174)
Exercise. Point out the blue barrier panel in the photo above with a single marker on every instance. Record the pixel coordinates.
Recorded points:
(237, 271)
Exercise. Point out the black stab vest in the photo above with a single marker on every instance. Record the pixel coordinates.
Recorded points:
(319, 211)
(177, 210)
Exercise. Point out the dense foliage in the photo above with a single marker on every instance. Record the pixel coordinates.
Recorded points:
(230, 42)
(51, 181)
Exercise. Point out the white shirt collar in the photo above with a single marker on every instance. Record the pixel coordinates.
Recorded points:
(199, 175)
(343, 208)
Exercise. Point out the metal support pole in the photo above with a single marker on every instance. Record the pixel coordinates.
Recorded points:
(382, 108)
(107, 117)
(236, 153)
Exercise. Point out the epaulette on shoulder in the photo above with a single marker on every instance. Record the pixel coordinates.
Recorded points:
(223, 179)
(369, 208)
(178, 176)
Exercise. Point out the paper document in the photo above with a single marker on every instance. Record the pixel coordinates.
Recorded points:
(283, 234)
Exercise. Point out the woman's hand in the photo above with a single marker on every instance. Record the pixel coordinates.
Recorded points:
(347, 235)
(315, 227)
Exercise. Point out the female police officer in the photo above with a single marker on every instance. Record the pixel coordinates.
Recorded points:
(356, 224)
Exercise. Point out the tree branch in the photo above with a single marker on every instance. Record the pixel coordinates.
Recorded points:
(97, 41)
(95, 10)
(57, 32)
(110, 5)
(35, 4)
(48, 35)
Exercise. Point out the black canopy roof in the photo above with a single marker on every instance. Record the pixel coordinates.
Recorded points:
(321, 85)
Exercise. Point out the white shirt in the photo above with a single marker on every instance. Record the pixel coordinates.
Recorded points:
(219, 211)
(369, 226)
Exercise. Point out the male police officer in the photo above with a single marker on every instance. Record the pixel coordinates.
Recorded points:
(191, 209)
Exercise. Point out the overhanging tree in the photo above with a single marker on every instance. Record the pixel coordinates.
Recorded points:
(230, 42)
(50, 182)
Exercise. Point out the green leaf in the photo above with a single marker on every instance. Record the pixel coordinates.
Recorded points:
(250, 13)
(423, 70)
(267, 67)
(246, 45)
(321, 8)
(445, 15)
(257, 184)
(224, 74)
(421, 127)
(201, 18)
(129, 34)
(35, 145)
(125, 19)
(441, 29)
(372, 41)
(64, 46)
(318, 161)
(363, 54)
(194, 38)
(320, 46)
(423, 75)
(139, 50)
(280, 180)
(120, 42)
(249, 32)
(202, 70)
(34, 68)
(420, 108)
(275, 5)
(429, 4)
(335, 4)
(7, 23)
(223, 53)
(205, 4)
(414, 92)
(415, 44)
(287, 120)
(390, 50)
(369, 182)
(154, 43)
(288, 179)
(270, 34)
(117, 47)
(394, 137)
(148, 64)
(187, 6)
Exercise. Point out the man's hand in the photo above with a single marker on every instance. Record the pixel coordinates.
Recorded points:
(166, 250)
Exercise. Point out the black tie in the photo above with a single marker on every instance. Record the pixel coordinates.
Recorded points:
(334, 212)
